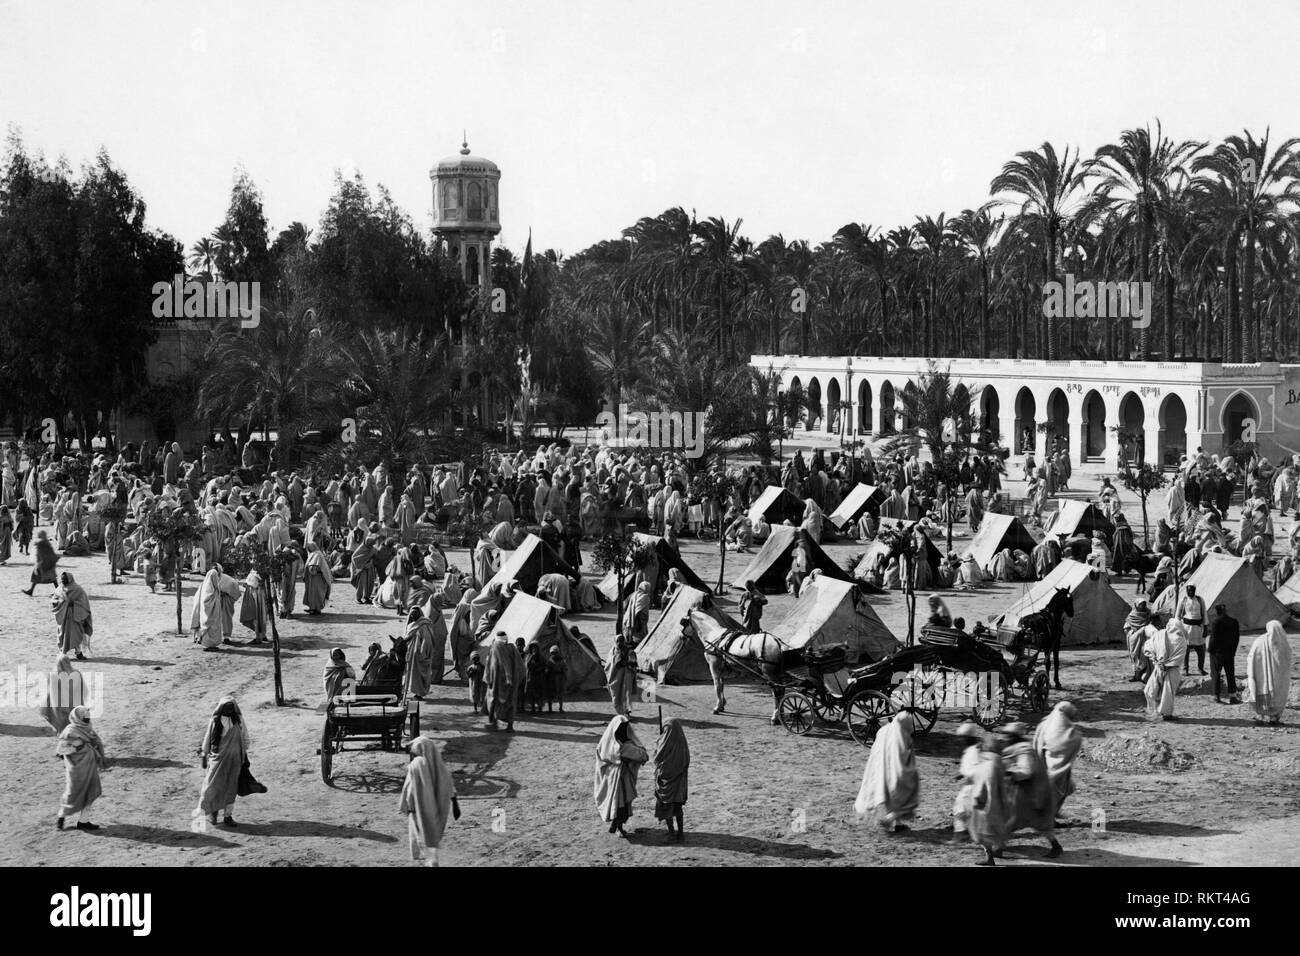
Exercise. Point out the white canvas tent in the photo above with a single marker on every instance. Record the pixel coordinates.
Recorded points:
(538, 621)
(1289, 592)
(528, 562)
(772, 563)
(862, 498)
(1079, 517)
(668, 652)
(667, 557)
(1099, 611)
(996, 533)
(835, 612)
(776, 504)
(1225, 579)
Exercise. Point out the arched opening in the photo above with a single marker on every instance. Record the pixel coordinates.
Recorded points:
(1058, 421)
(471, 265)
(792, 415)
(909, 395)
(887, 419)
(1094, 425)
(990, 416)
(1132, 423)
(864, 406)
(1240, 409)
(1026, 425)
(815, 412)
(474, 200)
(961, 403)
(833, 410)
(1173, 430)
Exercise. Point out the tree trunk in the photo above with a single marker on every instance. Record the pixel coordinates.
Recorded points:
(176, 578)
(1249, 318)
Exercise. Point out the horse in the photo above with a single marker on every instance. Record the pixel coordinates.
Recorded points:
(720, 643)
(382, 670)
(1045, 627)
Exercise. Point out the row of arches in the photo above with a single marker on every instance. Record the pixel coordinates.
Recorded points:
(882, 415)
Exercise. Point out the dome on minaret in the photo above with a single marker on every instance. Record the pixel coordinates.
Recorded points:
(465, 195)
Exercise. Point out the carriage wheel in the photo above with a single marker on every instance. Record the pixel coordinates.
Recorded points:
(1038, 689)
(923, 710)
(989, 713)
(327, 753)
(796, 713)
(866, 714)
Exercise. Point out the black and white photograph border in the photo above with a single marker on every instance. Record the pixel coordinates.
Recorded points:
(831, 433)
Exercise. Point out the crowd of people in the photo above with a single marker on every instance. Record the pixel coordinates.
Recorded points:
(386, 531)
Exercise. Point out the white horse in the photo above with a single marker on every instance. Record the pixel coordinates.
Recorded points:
(765, 650)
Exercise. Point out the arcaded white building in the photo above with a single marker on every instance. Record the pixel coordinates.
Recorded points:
(1175, 407)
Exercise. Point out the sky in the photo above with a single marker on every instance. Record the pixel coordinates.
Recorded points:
(795, 117)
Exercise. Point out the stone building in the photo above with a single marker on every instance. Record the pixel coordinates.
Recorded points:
(1172, 407)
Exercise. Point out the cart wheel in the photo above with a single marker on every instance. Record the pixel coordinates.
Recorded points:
(866, 714)
(989, 713)
(1038, 688)
(796, 713)
(908, 697)
(327, 753)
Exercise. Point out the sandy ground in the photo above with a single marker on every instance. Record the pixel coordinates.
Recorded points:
(1210, 789)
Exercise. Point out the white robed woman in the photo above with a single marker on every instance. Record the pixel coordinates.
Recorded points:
(418, 675)
(619, 756)
(428, 799)
(212, 619)
(891, 783)
(1268, 674)
(1165, 647)
(812, 520)
(222, 753)
(72, 612)
(317, 579)
(83, 757)
(1058, 742)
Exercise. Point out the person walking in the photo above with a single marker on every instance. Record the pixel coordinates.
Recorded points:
(428, 799)
(891, 784)
(83, 758)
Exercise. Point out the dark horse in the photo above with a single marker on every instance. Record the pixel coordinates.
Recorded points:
(1044, 628)
(382, 672)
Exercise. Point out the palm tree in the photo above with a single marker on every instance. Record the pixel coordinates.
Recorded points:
(203, 256)
(1135, 181)
(618, 342)
(1047, 185)
(1249, 194)
(977, 232)
(285, 373)
(872, 254)
(401, 385)
(720, 270)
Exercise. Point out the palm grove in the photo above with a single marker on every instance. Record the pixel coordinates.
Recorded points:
(361, 315)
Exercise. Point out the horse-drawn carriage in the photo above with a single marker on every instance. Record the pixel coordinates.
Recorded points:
(979, 675)
(373, 709)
